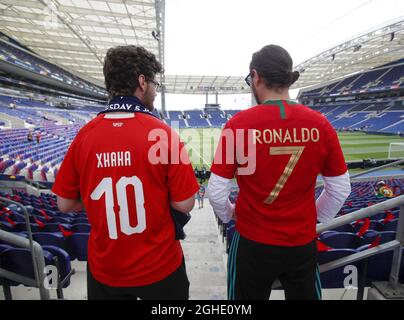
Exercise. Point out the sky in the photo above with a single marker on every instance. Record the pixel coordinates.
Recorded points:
(218, 37)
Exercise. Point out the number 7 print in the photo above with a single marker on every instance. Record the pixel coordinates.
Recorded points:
(295, 153)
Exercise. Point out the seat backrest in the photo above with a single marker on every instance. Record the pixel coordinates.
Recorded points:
(375, 225)
(342, 240)
(390, 225)
(62, 220)
(50, 238)
(21, 227)
(368, 237)
(79, 243)
(333, 278)
(334, 254)
(80, 220)
(344, 228)
(387, 236)
(55, 227)
(63, 261)
(326, 234)
(4, 247)
(81, 228)
(19, 260)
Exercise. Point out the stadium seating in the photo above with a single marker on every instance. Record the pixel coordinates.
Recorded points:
(19, 260)
(333, 278)
(196, 119)
(78, 243)
(341, 240)
(360, 112)
(24, 59)
(216, 117)
(368, 116)
(382, 78)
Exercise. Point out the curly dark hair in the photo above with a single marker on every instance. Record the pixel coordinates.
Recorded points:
(122, 67)
(274, 64)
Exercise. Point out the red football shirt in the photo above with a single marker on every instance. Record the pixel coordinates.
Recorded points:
(294, 144)
(126, 196)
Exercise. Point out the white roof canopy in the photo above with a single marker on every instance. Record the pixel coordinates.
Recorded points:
(76, 34)
(372, 49)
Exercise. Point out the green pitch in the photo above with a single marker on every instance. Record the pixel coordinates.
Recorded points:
(358, 146)
(201, 145)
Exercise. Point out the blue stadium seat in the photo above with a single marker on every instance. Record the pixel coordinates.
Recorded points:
(55, 227)
(19, 260)
(390, 225)
(81, 228)
(63, 263)
(326, 234)
(78, 243)
(51, 239)
(21, 226)
(62, 220)
(341, 240)
(4, 247)
(379, 266)
(344, 228)
(80, 220)
(333, 278)
(387, 236)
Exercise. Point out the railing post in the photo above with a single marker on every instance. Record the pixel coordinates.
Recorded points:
(395, 266)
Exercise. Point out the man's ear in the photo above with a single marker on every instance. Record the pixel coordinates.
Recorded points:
(142, 82)
(255, 76)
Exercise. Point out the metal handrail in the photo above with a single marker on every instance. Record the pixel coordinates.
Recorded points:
(388, 165)
(360, 214)
(396, 245)
(378, 168)
(38, 258)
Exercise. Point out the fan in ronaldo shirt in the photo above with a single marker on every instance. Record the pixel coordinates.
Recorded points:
(289, 146)
(112, 169)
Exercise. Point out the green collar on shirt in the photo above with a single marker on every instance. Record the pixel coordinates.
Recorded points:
(280, 104)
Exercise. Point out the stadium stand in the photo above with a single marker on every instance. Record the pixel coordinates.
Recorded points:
(361, 107)
(196, 119)
(382, 78)
(369, 116)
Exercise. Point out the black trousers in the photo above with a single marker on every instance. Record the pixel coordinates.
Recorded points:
(173, 287)
(253, 267)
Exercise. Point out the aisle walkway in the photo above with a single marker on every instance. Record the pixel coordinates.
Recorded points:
(205, 256)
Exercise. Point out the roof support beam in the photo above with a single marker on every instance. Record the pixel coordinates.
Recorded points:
(102, 13)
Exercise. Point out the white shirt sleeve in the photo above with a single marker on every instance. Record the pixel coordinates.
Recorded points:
(218, 194)
(336, 191)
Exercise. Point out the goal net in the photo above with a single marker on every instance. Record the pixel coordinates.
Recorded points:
(396, 150)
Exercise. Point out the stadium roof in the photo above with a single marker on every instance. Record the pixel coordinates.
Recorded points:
(374, 48)
(205, 84)
(76, 34)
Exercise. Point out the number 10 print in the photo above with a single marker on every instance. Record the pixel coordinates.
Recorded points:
(105, 186)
